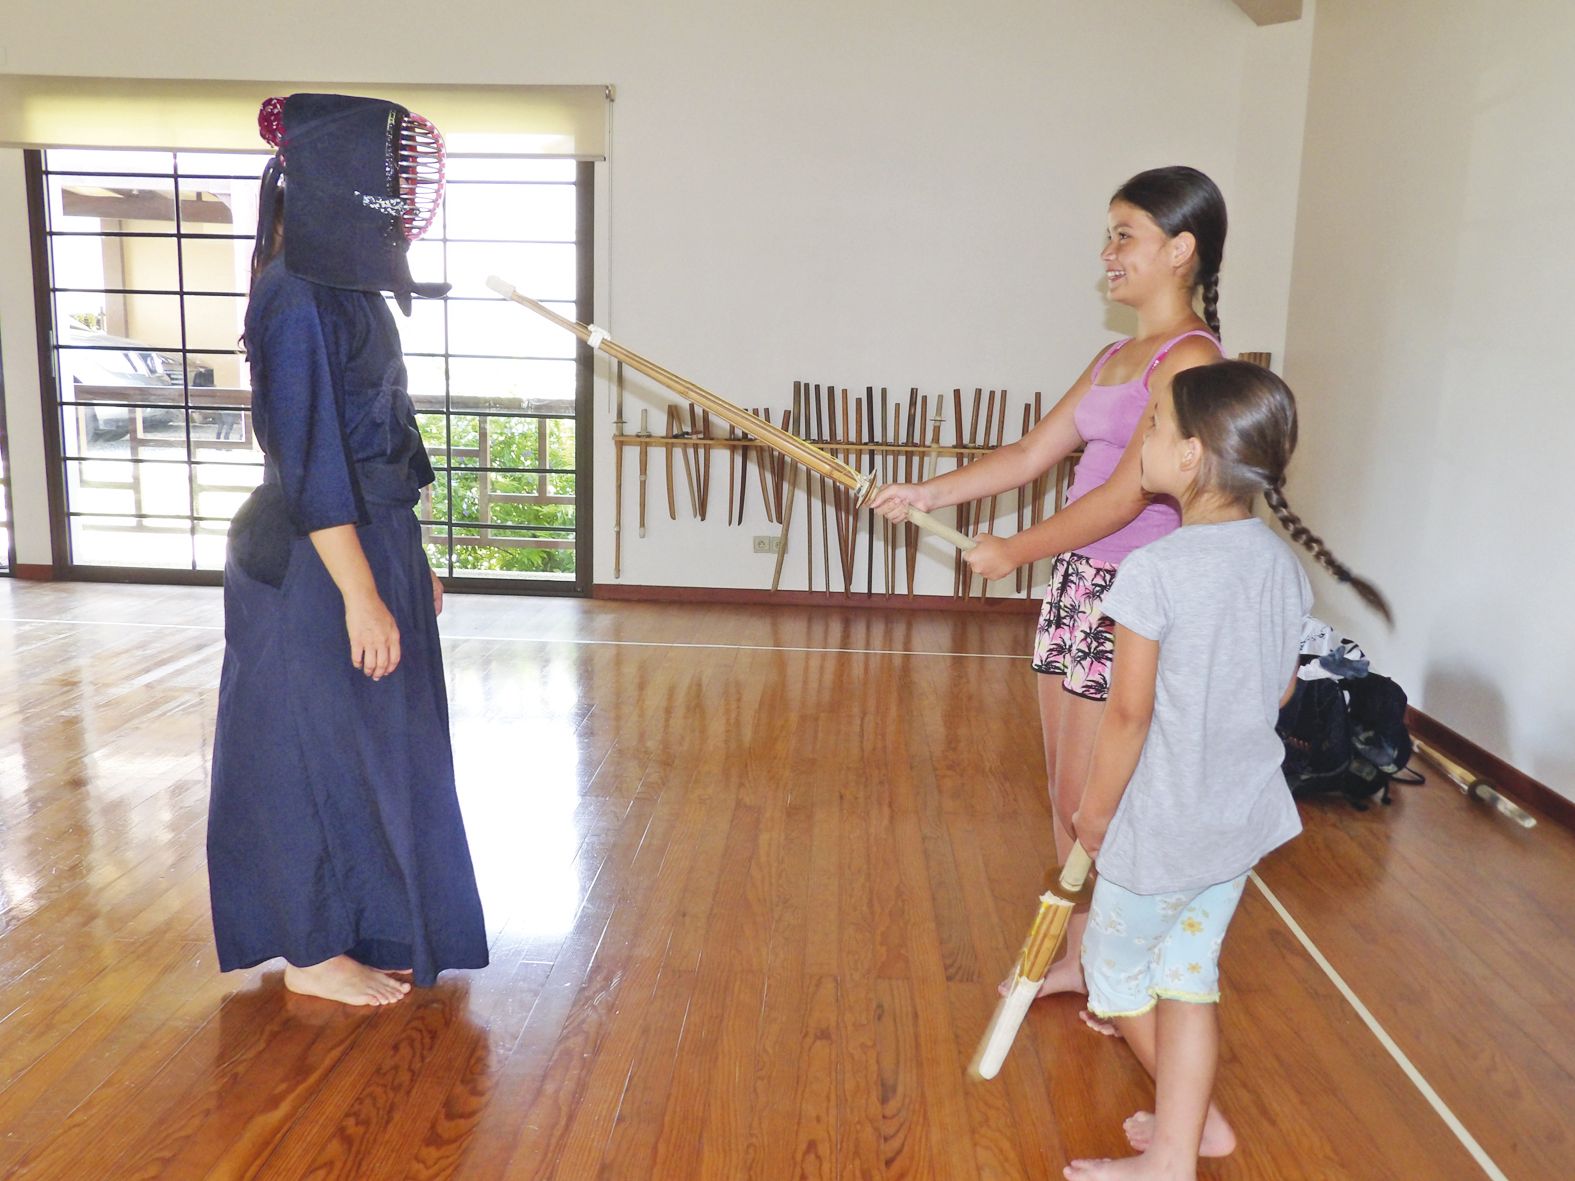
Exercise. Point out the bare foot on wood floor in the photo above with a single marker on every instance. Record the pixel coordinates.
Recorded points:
(1128, 1168)
(344, 980)
(1219, 1139)
(1098, 1024)
(1065, 975)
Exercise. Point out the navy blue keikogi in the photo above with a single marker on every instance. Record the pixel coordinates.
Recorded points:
(334, 826)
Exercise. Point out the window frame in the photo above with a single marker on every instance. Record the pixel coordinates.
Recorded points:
(63, 563)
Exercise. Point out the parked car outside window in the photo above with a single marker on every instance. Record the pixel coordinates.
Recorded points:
(98, 360)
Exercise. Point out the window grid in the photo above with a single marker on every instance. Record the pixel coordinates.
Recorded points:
(504, 504)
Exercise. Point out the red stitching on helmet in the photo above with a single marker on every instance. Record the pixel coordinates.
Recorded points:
(270, 122)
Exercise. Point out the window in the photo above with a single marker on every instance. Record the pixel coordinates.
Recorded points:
(147, 298)
(148, 260)
(497, 390)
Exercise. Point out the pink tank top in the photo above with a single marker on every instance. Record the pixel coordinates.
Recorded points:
(1106, 418)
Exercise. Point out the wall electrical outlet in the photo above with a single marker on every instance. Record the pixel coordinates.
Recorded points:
(767, 543)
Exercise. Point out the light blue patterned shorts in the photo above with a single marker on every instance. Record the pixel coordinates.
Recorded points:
(1144, 948)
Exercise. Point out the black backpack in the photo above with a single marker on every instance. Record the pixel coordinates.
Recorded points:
(1346, 737)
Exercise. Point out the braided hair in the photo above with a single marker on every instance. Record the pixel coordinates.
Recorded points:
(1245, 418)
(1184, 200)
(1211, 303)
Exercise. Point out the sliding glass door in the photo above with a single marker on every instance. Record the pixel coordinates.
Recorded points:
(148, 256)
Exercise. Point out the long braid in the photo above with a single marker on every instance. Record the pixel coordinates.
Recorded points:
(1245, 418)
(1211, 302)
(1274, 497)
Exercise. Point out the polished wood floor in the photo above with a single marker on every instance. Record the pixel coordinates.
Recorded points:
(751, 876)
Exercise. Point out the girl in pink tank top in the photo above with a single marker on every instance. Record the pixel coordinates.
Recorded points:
(1164, 241)
(1106, 418)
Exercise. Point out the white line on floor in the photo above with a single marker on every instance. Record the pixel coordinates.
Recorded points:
(746, 647)
(1395, 1052)
(218, 627)
(189, 627)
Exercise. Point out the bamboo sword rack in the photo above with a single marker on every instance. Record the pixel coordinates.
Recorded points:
(835, 461)
(845, 550)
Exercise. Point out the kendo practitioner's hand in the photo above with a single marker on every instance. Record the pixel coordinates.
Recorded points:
(894, 500)
(374, 636)
(992, 557)
(373, 633)
(437, 594)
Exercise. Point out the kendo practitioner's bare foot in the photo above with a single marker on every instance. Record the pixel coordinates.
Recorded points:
(344, 980)
(1098, 1024)
(1065, 975)
(1219, 1139)
(1130, 1168)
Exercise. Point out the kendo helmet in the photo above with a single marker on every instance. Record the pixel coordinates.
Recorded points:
(364, 179)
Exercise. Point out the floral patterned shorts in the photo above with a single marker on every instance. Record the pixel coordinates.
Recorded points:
(1144, 948)
(1074, 641)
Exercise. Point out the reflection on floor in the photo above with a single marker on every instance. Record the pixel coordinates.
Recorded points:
(751, 876)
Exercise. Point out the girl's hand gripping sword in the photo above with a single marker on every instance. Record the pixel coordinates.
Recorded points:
(861, 485)
(1028, 973)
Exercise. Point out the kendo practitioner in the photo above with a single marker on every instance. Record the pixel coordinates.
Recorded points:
(334, 833)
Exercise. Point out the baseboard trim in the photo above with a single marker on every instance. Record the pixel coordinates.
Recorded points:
(1514, 783)
(33, 573)
(739, 596)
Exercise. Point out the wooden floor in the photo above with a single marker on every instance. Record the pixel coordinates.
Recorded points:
(751, 876)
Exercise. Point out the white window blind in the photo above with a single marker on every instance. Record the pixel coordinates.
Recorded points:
(49, 111)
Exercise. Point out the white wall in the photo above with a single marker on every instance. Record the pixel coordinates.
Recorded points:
(1262, 196)
(881, 193)
(1430, 345)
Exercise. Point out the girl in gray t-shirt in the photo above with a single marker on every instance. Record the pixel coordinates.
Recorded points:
(1185, 791)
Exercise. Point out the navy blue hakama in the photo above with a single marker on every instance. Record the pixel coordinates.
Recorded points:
(334, 825)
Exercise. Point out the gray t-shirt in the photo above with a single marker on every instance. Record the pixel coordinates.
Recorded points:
(1208, 798)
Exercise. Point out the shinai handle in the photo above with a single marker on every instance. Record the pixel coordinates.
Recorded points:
(930, 525)
(1075, 872)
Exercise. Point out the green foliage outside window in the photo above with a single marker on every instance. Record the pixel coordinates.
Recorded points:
(512, 443)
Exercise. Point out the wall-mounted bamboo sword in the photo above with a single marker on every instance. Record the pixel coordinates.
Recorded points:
(862, 486)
